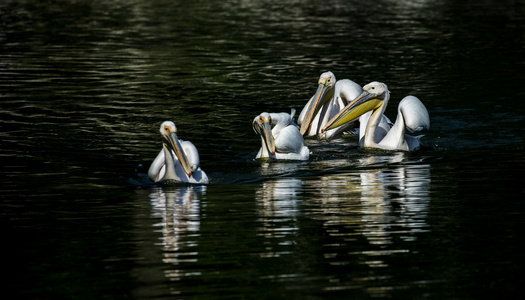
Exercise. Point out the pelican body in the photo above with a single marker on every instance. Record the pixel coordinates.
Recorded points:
(280, 137)
(178, 160)
(412, 115)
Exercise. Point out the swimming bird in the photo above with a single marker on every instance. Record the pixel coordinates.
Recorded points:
(344, 92)
(280, 137)
(331, 97)
(412, 115)
(178, 160)
(317, 111)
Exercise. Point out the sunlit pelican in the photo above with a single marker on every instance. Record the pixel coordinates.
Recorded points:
(182, 163)
(412, 115)
(345, 92)
(280, 137)
(331, 97)
(319, 108)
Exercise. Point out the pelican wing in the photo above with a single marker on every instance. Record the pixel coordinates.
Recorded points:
(157, 170)
(289, 140)
(415, 114)
(191, 153)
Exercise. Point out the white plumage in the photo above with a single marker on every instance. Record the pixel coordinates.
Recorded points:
(331, 97)
(280, 137)
(412, 115)
(178, 160)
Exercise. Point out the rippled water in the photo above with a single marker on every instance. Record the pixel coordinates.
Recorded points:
(84, 86)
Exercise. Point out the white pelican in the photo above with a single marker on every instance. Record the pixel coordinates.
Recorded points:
(331, 97)
(412, 115)
(316, 111)
(280, 137)
(344, 92)
(178, 160)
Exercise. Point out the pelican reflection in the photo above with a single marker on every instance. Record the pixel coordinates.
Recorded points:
(394, 199)
(382, 199)
(278, 206)
(178, 208)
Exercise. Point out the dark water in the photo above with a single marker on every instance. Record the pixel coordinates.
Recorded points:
(84, 86)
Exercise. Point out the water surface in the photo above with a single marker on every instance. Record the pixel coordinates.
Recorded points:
(84, 86)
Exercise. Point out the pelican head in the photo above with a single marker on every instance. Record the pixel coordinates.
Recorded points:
(325, 92)
(168, 130)
(374, 95)
(262, 125)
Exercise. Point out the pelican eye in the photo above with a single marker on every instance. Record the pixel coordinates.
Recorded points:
(261, 120)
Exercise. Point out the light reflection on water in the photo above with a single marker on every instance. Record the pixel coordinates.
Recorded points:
(179, 210)
(278, 206)
(383, 203)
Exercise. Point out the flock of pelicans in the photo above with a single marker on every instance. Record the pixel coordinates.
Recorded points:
(332, 111)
